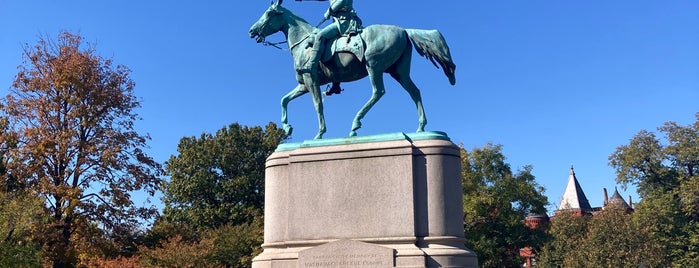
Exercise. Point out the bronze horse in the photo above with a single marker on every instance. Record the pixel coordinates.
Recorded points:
(388, 49)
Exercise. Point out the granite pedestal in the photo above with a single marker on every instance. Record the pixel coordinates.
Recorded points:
(390, 200)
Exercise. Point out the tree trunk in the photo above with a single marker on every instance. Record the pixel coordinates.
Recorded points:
(63, 258)
(62, 253)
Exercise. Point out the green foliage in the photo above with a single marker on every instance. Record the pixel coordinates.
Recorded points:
(179, 246)
(610, 238)
(214, 200)
(19, 211)
(70, 139)
(564, 247)
(227, 246)
(667, 175)
(655, 167)
(175, 252)
(236, 245)
(163, 230)
(219, 179)
(662, 231)
(641, 163)
(19, 255)
(614, 239)
(496, 201)
(662, 221)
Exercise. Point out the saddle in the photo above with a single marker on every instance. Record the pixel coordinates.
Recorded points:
(346, 43)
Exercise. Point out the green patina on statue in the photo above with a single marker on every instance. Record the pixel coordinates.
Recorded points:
(344, 51)
(345, 22)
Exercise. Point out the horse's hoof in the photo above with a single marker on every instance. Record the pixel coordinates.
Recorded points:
(318, 137)
(420, 130)
(353, 133)
(288, 130)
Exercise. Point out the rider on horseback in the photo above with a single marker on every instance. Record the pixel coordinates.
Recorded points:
(346, 22)
(390, 50)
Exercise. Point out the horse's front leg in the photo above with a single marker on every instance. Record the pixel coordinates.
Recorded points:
(294, 93)
(313, 87)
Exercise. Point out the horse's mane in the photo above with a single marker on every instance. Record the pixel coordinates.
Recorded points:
(293, 18)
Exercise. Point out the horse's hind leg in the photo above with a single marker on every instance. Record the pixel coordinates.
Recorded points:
(294, 93)
(378, 90)
(401, 73)
(414, 92)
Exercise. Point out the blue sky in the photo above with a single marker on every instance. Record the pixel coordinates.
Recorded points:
(555, 82)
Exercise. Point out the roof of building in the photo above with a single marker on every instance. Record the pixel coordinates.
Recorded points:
(617, 200)
(573, 196)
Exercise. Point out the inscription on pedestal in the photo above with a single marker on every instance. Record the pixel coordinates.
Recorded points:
(347, 253)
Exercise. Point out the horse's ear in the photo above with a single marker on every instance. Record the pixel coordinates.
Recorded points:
(279, 2)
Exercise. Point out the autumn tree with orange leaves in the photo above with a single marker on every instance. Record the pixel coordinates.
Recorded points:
(71, 126)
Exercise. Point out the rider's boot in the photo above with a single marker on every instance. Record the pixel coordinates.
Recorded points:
(335, 89)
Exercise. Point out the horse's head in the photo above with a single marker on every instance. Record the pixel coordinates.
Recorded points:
(270, 22)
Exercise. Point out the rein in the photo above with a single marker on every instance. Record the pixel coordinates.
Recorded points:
(274, 44)
(300, 41)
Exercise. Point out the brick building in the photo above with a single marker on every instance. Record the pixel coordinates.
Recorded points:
(573, 201)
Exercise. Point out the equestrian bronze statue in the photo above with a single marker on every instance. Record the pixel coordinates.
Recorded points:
(351, 53)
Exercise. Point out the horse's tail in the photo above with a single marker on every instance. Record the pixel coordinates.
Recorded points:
(431, 45)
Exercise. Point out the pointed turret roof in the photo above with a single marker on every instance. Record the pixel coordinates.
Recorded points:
(573, 196)
(617, 200)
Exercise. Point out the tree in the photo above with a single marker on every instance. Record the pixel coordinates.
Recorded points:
(19, 211)
(666, 173)
(217, 186)
(225, 246)
(219, 179)
(641, 163)
(71, 115)
(236, 245)
(609, 238)
(614, 239)
(176, 252)
(565, 247)
(496, 201)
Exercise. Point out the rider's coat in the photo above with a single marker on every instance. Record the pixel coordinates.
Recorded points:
(345, 17)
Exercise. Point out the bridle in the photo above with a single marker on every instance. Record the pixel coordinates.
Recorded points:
(262, 37)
